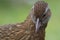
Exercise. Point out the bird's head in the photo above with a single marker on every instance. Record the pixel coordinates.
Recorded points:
(40, 14)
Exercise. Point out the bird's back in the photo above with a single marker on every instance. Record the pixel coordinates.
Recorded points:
(19, 31)
(11, 32)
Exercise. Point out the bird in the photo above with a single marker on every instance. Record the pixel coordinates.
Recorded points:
(33, 28)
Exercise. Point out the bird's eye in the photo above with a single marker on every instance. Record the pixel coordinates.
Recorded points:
(44, 15)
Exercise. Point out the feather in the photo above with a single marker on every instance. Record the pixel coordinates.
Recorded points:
(33, 28)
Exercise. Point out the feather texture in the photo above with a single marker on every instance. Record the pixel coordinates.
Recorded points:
(27, 29)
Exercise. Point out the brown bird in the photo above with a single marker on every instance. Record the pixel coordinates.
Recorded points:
(33, 28)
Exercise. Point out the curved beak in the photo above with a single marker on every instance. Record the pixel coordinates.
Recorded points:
(38, 24)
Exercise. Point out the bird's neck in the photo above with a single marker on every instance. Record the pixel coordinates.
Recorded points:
(40, 35)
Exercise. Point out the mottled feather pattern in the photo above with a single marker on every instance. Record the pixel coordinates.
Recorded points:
(19, 31)
(33, 28)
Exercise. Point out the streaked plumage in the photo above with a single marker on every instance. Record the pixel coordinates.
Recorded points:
(33, 28)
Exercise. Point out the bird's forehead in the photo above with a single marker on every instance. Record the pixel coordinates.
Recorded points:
(40, 7)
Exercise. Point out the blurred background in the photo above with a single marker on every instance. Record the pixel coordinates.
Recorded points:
(14, 11)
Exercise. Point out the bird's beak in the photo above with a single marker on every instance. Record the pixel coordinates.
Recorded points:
(38, 24)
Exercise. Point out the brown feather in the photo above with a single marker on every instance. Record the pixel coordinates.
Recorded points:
(26, 29)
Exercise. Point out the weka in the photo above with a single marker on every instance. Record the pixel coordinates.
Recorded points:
(33, 28)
